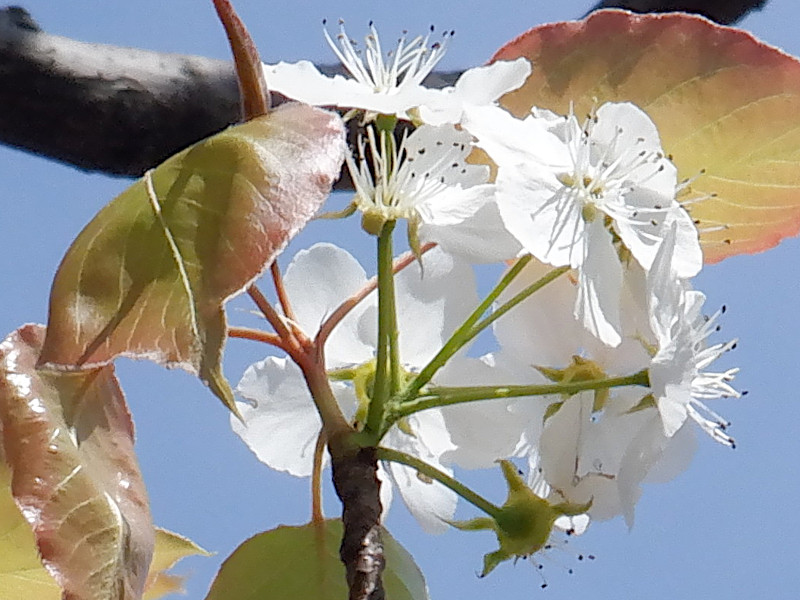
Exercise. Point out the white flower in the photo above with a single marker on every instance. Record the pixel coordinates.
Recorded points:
(572, 194)
(390, 84)
(426, 180)
(603, 457)
(281, 423)
(583, 447)
(677, 376)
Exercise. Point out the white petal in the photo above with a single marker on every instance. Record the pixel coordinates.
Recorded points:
(281, 425)
(542, 330)
(455, 205)
(512, 142)
(479, 238)
(302, 81)
(479, 86)
(430, 502)
(482, 432)
(484, 85)
(429, 147)
(688, 259)
(599, 284)
(628, 124)
(430, 307)
(317, 281)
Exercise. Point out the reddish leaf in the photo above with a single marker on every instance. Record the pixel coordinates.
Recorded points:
(726, 106)
(149, 275)
(68, 440)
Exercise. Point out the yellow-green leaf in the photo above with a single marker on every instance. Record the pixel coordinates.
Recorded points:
(169, 549)
(288, 563)
(149, 275)
(22, 575)
(726, 106)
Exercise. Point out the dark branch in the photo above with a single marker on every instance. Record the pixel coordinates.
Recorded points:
(356, 481)
(121, 110)
(726, 12)
(106, 108)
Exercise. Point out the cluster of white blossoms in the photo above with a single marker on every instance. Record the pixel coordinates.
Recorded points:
(595, 197)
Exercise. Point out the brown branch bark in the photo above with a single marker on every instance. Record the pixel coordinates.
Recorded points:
(356, 481)
(122, 111)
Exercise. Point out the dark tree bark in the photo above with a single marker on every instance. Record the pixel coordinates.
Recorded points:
(356, 481)
(721, 11)
(121, 111)
(105, 108)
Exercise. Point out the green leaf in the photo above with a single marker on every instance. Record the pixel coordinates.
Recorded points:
(726, 106)
(288, 563)
(148, 277)
(68, 443)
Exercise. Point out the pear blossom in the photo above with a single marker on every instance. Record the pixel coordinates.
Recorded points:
(426, 181)
(678, 377)
(281, 424)
(392, 83)
(603, 457)
(599, 447)
(576, 195)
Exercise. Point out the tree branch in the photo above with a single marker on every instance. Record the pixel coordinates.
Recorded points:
(726, 12)
(355, 478)
(122, 111)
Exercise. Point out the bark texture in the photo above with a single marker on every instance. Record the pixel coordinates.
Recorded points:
(356, 481)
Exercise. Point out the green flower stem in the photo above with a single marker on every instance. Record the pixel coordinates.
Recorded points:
(448, 396)
(421, 466)
(387, 369)
(463, 334)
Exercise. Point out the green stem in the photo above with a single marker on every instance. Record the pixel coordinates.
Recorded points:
(464, 333)
(440, 476)
(448, 396)
(388, 359)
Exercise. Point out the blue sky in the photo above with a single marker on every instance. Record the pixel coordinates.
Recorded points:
(725, 529)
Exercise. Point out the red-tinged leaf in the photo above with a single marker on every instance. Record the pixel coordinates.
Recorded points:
(149, 275)
(726, 106)
(68, 441)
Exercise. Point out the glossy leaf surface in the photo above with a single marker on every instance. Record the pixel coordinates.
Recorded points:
(726, 106)
(149, 275)
(303, 562)
(68, 442)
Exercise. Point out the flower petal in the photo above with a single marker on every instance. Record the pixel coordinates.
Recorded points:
(317, 281)
(431, 503)
(281, 424)
(599, 285)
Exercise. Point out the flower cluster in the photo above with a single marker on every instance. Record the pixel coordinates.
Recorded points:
(603, 355)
